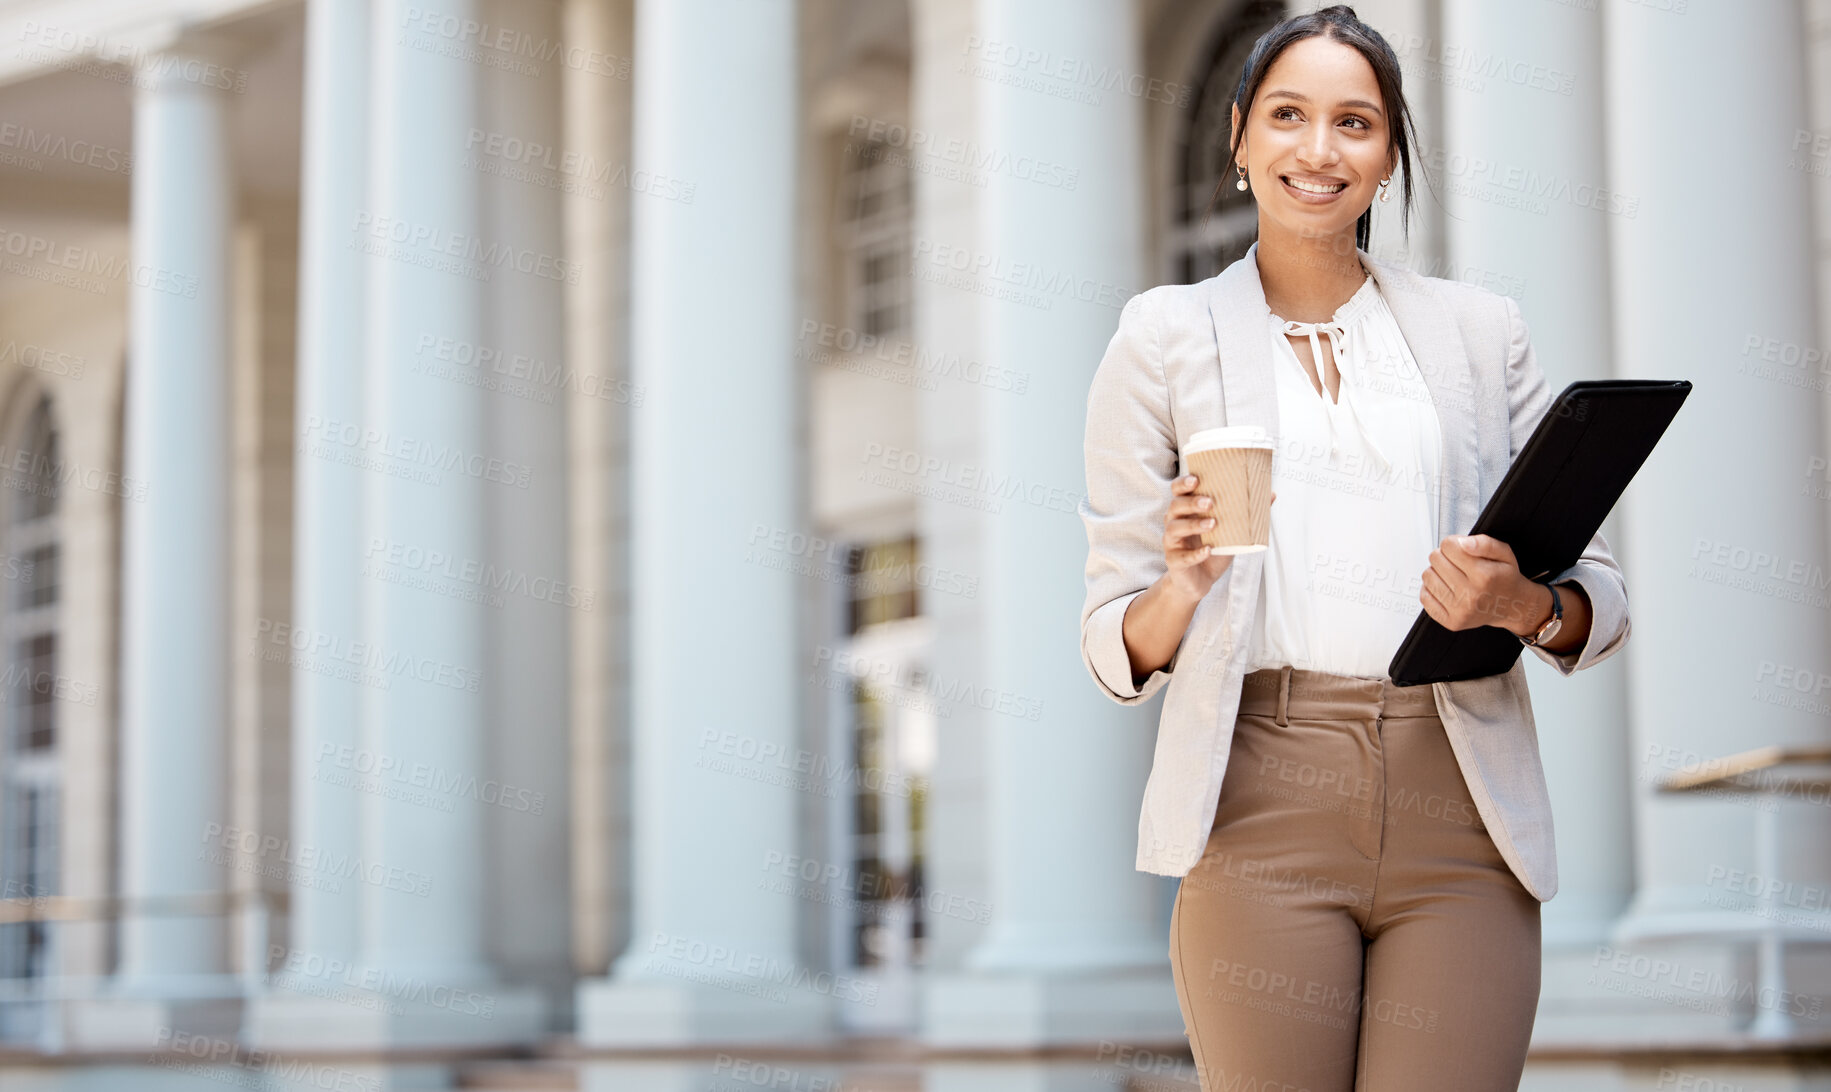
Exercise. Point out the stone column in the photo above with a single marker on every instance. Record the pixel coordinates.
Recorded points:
(1726, 553)
(327, 554)
(174, 626)
(426, 282)
(1076, 949)
(714, 474)
(1520, 92)
(398, 472)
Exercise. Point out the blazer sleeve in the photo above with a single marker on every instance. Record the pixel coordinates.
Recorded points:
(1596, 571)
(1131, 461)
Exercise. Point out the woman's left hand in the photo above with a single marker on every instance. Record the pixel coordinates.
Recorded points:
(1474, 580)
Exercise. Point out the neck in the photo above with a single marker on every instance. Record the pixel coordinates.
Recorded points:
(1307, 277)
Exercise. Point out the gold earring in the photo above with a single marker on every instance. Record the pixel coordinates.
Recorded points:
(1385, 194)
(1241, 184)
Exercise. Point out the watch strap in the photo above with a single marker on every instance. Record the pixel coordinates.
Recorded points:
(1557, 616)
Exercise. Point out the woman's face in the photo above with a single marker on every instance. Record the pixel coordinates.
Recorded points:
(1317, 142)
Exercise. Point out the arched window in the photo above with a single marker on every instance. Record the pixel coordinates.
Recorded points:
(30, 781)
(1202, 241)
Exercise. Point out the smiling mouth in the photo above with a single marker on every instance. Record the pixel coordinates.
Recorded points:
(1313, 187)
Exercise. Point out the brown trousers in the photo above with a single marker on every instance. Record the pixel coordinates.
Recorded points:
(1350, 925)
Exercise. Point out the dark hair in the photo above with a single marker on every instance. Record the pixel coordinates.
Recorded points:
(1337, 22)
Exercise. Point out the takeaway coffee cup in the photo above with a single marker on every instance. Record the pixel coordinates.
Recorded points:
(1234, 466)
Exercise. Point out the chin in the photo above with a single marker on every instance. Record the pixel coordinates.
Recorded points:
(1312, 226)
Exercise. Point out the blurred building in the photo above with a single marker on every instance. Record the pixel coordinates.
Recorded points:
(546, 529)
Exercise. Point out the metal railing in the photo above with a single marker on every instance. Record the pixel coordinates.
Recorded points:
(31, 1006)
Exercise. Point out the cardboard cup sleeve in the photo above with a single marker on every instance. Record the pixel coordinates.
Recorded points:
(1234, 466)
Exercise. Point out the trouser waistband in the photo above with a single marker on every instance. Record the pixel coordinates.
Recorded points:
(1285, 692)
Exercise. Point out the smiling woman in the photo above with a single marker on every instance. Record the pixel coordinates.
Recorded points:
(1347, 129)
(1362, 863)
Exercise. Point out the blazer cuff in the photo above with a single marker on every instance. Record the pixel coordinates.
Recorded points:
(1608, 612)
(1103, 650)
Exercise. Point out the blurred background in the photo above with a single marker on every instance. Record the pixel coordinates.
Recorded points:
(539, 540)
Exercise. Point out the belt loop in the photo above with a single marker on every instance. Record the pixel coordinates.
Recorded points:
(1284, 695)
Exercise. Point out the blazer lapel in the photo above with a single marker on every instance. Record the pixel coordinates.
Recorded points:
(1236, 303)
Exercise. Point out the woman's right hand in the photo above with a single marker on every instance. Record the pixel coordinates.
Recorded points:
(1191, 567)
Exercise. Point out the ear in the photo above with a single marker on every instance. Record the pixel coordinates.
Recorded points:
(1233, 131)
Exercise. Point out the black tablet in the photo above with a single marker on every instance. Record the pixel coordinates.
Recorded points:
(1578, 461)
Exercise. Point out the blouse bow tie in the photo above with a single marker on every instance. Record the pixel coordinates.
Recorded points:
(1337, 335)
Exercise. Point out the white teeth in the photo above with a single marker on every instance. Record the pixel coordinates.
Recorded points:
(1311, 187)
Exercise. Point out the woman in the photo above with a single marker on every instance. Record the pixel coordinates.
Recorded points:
(1362, 863)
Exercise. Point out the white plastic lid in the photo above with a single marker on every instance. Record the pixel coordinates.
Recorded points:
(1228, 436)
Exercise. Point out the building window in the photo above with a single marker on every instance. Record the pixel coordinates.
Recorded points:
(874, 227)
(882, 584)
(30, 785)
(887, 722)
(1208, 233)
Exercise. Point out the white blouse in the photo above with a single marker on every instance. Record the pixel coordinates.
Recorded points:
(1357, 482)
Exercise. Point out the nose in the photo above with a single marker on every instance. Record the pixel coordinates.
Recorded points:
(1317, 149)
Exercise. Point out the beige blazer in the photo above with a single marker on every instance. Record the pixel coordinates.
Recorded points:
(1190, 357)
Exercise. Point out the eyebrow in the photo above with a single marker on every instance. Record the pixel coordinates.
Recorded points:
(1362, 103)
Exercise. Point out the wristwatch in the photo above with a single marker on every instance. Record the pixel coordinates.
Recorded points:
(1550, 629)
